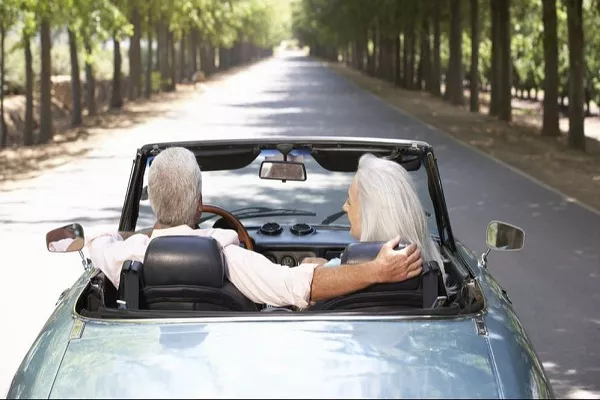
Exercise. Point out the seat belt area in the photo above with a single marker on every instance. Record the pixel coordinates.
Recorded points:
(433, 297)
(129, 286)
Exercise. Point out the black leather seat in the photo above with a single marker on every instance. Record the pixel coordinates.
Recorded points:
(418, 292)
(188, 273)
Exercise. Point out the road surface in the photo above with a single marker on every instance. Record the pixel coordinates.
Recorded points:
(553, 283)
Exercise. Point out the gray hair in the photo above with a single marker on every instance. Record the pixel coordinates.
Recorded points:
(175, 186)
(390, 206)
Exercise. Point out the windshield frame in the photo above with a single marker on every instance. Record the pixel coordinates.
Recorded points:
(237, 153)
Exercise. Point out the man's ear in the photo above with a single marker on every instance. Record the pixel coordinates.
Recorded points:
(199, 209)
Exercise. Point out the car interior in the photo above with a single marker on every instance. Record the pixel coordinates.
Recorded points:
(186, 276)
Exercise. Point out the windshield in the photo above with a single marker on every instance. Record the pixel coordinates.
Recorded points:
(257, 201)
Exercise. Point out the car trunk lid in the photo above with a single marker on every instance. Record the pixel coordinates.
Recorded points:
(275, 359)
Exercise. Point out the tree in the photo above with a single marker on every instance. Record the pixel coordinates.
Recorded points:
(454, 89)
(3, 130)
(76, 118)
(30, 27)
(495, 58)
(118, 26)
(474, 73)
(436, 65)
(505, 62)
(550, 125)
(8, 15)
(46, 129)
(28, 139)
(148, 76)
(135, 52)
(116, 98)
(426, 51)
(576, 137)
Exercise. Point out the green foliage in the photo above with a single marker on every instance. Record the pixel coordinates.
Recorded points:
(339, 22)
(264, 23)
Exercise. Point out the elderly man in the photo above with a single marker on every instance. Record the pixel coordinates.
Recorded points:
(174, 189)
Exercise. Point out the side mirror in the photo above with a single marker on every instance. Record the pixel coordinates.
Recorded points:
(66, 239)
(504, 237)
(282, 170)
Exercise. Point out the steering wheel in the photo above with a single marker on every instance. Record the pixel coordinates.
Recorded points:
(233, 220)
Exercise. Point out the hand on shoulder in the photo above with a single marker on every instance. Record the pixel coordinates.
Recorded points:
(397, 265)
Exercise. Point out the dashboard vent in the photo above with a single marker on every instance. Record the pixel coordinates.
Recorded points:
(302, 229)
(271, 228)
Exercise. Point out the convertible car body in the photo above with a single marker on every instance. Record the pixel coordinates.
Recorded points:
(385, 342)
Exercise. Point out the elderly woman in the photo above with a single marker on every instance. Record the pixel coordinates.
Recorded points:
(382, 204)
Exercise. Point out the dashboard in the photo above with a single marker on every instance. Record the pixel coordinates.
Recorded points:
(290, 244)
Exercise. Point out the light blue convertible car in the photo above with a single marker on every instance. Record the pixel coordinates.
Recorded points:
(176, 328)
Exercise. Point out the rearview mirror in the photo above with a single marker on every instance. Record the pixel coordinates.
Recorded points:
(282, 170)
(66, 239)
(504, 237)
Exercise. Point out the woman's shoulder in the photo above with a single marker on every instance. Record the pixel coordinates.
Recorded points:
(334, 262)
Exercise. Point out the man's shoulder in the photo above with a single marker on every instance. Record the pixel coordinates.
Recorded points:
(225, 237)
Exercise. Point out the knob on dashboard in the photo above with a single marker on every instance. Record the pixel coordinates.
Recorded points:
(302, 229)
(271, 229)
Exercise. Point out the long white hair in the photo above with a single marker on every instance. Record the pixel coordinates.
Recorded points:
(390, 206)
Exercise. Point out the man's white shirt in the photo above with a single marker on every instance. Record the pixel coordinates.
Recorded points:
(253, 274)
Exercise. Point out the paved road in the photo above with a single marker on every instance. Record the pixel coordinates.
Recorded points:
(553, 282)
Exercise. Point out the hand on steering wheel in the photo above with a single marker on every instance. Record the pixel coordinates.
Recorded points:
(234, 221)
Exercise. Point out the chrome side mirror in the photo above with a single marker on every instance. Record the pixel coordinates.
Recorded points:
(503, 237)
(66, 239)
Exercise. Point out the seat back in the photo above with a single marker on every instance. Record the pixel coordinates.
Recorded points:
(188, 273)
(419, 292)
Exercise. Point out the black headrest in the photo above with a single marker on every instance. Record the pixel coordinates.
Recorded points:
(360, 252)
(184, 260)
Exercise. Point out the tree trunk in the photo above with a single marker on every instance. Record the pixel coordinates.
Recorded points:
(494, 78)
(362, 50)
(454, 76)
(172, 63)
(3, 130)
(182, 65)
(135, 56)
(207, 59)
(397, 59)
(436, 64)
(223, 60)
(426, 52)
(380, 56)
(193, 54)
(474, 81)
(406, 56)
(90, 80)
(412, 66)
(550, 125)
(505, 62)
(576, 73)
(75, 80)
(116, 99)
(45, 83)
(148, 91)
(28, 128)
(159, 44)
(389, 58)
(162, 52)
